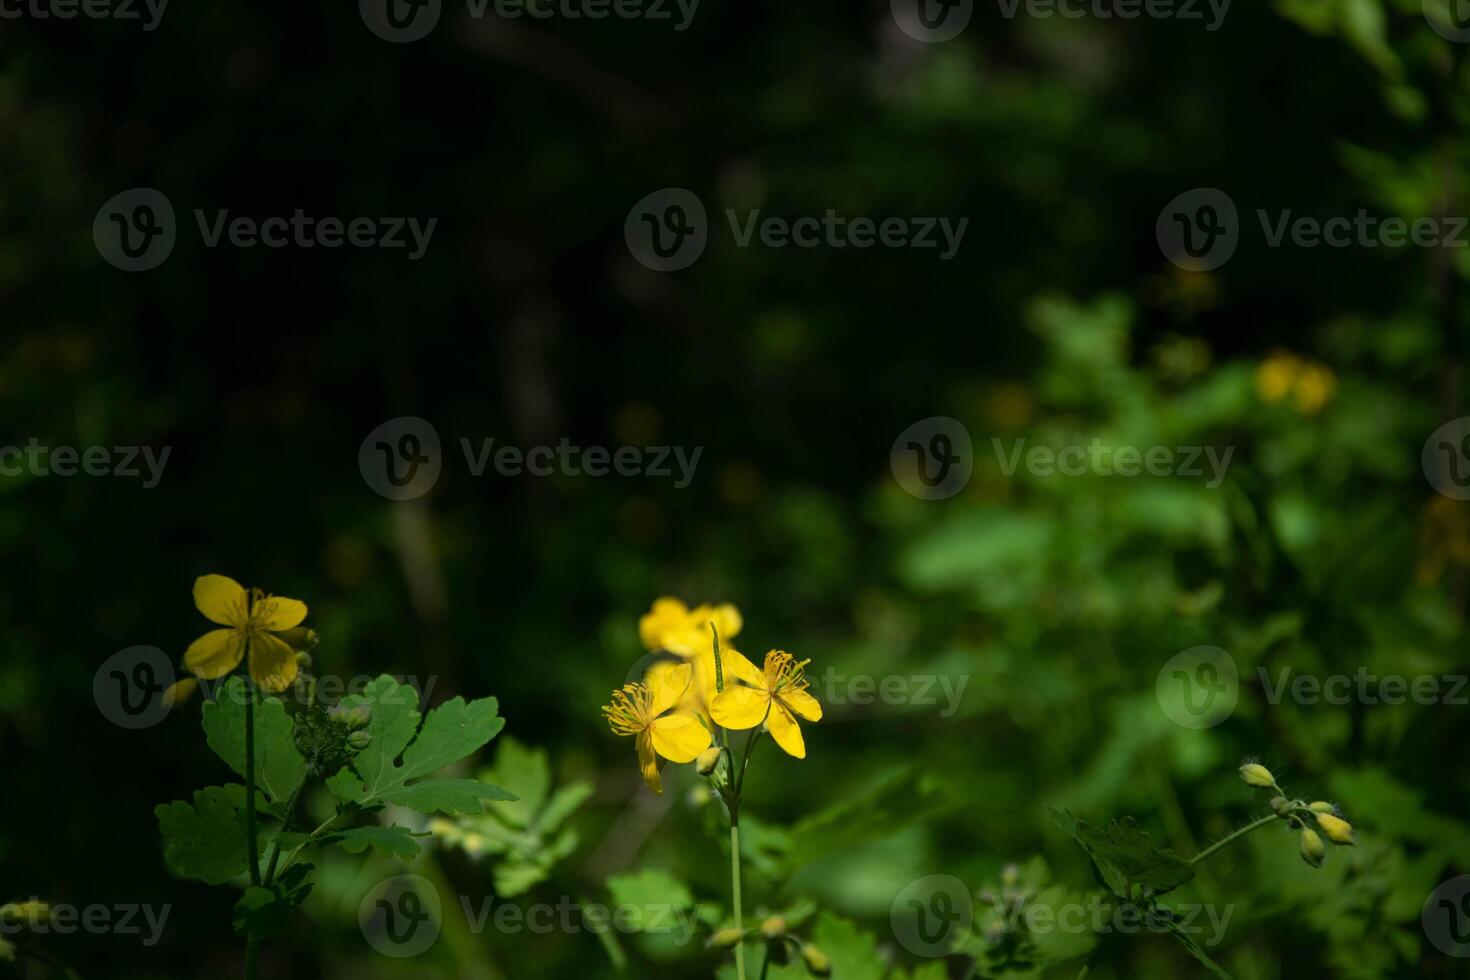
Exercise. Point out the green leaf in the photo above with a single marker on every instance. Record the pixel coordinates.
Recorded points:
(647, 895)
(891, 803)
(206, 840)
(527, 774)
(279, 767)
(391, 842)
(1197, 952)
(264, 910)
(451, 732)
(1125, 855)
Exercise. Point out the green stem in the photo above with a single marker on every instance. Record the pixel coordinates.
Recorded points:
(1233, 837)
(735, 888)
(252, 845)
(252, 953)
(270, 872)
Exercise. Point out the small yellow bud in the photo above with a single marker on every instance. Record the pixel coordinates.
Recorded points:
(474, 844)
(1258, 775)
(725, 938)
(708, 760)
(180, 691)
(1338, 830)
(816, 961)
(1313, 850)
(1320, 807)
(773, 928)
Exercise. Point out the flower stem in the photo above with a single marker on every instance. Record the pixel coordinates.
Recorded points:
(735, 888)
(252, 953)
(270, 871)
(252, 845)
(1226, 840)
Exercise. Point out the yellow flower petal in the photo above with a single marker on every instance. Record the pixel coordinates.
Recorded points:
(221, 599)
(725, 616)
(648, 762)
(739, 708)
(801, 703)
(668, 685)
(278, 613)
(679, 738)
(739, 668)
(180, 691)
(786, 732)
(272, 663)
(215, 654)
(667, 618)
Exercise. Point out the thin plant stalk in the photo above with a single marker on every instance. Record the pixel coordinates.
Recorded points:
(1231, 838)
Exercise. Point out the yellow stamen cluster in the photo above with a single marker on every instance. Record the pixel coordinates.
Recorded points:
(631, 710)
(785, 672)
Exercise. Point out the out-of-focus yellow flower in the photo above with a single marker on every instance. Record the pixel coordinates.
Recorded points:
(775, 697)
(673, 627)
(252, 622)
(1444, 538)
(180, 691)
(647, 712)
(1310, 385)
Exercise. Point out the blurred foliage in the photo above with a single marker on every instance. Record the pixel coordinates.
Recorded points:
(1055, 600)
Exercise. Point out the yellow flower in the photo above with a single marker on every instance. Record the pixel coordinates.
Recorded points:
(644, 711)
(252, 620)
(1315, 386)
(774, 697)
(180, 691)
(674, 627)
(1276, 375)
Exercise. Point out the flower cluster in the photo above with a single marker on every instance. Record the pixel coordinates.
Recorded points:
(1309, 385)
(1301, 816)
(705, 685)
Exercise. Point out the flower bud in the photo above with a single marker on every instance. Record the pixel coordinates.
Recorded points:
(359, 717)
(1257, 775)
(1313, 850)
(301, 639)
(816, 961)
(1338, 830)
(773, 928)
(708, 760)
(1010, 876)
(725, 938)
(474, 844)
(1280, 805)
(359, 740)
(1320, 807)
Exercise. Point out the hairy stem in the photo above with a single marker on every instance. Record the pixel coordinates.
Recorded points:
(1231, 838)
(735, 888)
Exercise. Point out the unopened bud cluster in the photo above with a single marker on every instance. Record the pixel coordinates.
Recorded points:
(1313, 821)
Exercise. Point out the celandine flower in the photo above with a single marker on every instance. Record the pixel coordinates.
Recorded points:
(774, 697)
(643, 711)
(673, 627)
(253, 621)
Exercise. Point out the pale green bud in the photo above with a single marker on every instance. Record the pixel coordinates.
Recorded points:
(1313, 850)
